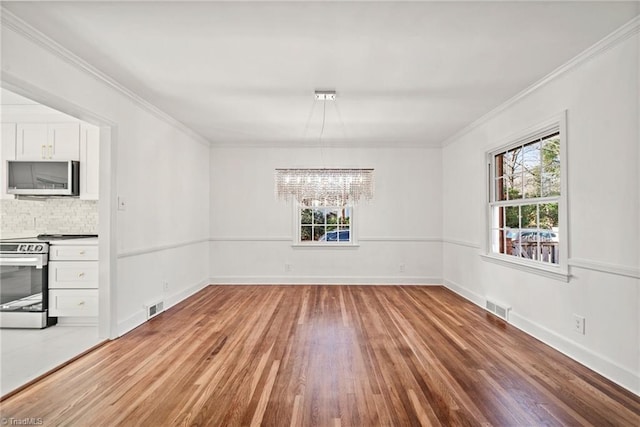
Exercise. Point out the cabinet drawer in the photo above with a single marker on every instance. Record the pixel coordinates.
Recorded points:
(73, 253)
(73, 274)
(73, 302)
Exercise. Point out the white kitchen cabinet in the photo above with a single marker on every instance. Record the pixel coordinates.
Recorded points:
(48, 141)
(8, 152)
(73, 275)
(89, 162)
(73, 252)
(73, 280)
(73, 302)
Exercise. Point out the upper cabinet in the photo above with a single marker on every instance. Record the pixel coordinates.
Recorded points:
(48, 141)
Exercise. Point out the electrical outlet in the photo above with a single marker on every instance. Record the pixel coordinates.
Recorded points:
(403, 268)
(288, 268)
(165, 286)
(578, 324)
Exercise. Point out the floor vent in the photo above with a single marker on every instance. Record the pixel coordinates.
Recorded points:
(498, 309)
(154, 309)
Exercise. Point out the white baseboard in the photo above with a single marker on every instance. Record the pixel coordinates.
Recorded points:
(592, 360)
(77, 321)
(602, 365)
(465, 293)
(185, 293)
(132, 322)
(140, 317)
(324, 280)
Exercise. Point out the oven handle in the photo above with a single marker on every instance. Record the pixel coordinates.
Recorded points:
(23, 261)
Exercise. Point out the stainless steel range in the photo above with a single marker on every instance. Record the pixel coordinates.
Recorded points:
(24, 278)
(23, 284)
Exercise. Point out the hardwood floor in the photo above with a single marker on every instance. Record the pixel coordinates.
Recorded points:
(326, 356)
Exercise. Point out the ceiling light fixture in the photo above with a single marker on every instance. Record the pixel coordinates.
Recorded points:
(322, 186)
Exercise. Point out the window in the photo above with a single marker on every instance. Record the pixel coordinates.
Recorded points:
(526, 199)
(325, 225)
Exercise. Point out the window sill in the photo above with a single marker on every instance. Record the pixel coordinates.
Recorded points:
(325, 245)
(551, 272)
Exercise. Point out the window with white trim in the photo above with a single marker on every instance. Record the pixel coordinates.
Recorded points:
(325, 225)
(526, 198)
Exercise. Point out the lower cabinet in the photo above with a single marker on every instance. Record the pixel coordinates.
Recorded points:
(73, 302)
(73, 281)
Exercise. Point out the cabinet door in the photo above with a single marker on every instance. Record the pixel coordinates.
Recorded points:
(64, 141)
(8, 153)
(32, 142)
(89, 162)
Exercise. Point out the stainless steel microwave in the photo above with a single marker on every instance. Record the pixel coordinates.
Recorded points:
(43, 178)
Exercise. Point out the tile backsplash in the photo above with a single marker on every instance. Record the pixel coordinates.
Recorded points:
(50, 216)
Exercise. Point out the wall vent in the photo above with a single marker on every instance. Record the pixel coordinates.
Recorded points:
(500, 310)
(154, 309)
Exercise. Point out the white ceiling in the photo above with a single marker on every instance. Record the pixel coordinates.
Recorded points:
(410, 73)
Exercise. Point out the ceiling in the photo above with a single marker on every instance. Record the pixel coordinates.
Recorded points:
(405, 73)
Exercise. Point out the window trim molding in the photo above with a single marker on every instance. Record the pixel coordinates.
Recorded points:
(557, 122)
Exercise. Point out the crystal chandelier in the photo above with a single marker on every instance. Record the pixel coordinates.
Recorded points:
(324, 187)
(321, 186)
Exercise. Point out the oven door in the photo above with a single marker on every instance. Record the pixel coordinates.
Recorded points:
(23, 291)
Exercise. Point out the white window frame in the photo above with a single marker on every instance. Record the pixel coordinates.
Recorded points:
(298, 243)
(558, 271)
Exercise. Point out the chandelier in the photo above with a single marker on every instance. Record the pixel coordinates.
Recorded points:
(322, 186)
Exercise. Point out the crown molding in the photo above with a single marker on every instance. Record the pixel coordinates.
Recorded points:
(17, 25)
(621, 34)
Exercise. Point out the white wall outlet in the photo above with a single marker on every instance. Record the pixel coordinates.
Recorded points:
(578, 324)
(165, 286)
(122, 203)
(403, 268)
(288, 268)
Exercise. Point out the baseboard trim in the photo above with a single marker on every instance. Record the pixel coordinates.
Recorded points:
(465, 293)
(594, 361)
(139, 317)
(324, 280)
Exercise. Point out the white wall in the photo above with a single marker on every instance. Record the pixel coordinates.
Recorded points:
(601, 99)
(252, 231)
(162, 173)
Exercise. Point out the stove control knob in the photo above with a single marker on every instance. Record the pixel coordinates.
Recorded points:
(21, 248)
(39, 248)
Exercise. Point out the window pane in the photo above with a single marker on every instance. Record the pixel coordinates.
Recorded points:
(531, 169)
(512, 217)
(498, 162)
(548, 216)
(318, 232)
(514, 187)
(306, 216)
(332, 216)
(305, 233)
(345, 216)
(551, 166)
(318, 216)
(501, 189)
